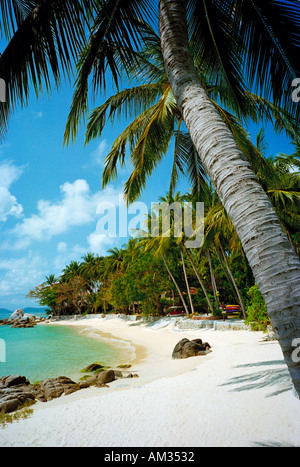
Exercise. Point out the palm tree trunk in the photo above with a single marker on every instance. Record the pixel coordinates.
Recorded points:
(233, 280)
(199, 279)
(213, 279)
(275, 266)
(176, 285)
(187, 282)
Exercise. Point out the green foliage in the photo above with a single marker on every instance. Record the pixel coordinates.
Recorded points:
(257, 316)
(143, 282)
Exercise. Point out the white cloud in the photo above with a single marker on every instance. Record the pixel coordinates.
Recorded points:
(37, 115)
(100, 243)
(19, 275)
(100, 153)
(77, 207)
(8, 205)
(9, 173)
(61, 247)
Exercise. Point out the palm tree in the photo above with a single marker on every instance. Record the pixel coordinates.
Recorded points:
(273, 261)
(234, 39)
(114, 261)
(51, 279)
(71, 271)
(44, 39)
(157, 120)
(162, 245)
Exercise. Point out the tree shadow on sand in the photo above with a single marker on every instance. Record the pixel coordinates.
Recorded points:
(272, 375)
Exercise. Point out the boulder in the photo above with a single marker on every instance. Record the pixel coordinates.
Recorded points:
(13, 380)
(186, 348)
(53, 388)
(105, 377)
(93, 367)
(15, 391)
(101, 378)
(18, 314)
(29, 317)
(12, 399)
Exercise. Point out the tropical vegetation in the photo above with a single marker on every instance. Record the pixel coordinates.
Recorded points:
(242, 45)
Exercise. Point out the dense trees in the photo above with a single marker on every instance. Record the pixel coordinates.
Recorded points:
(243, 43)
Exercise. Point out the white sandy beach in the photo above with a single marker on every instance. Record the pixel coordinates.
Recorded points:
(238, 395)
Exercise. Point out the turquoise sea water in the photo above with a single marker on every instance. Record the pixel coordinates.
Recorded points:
(51, 351)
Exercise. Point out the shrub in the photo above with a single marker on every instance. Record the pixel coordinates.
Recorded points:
(257, 316)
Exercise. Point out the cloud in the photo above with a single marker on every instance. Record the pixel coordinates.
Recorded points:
(9, 173)
(21, 274)
(100, 243)
(62, 247)
(98, 156)
(8, 205)
(37, 115)
(77, 207)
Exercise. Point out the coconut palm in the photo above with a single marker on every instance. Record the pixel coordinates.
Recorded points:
(234, 40)
(161, 245)
(71, 271)
(43, 39)
(271, 257)
(157, 121)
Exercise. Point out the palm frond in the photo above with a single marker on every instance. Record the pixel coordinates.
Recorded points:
(270, 33)
(128, 103)
(188, 163)
(217, 46)
(44, 41)
(114, 39)
(147, 138)
(260, 38)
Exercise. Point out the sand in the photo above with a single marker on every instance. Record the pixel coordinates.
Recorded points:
(238, 395)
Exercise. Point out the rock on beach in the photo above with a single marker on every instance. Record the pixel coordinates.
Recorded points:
(186, 348)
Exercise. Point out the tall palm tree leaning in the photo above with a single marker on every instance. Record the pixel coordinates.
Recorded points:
(226, 34)
(274, 264)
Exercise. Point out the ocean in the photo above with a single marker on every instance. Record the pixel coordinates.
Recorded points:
(50, 351)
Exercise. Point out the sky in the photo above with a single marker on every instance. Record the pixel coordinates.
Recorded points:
(50, 194)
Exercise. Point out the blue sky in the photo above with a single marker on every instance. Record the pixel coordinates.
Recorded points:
(49, 195)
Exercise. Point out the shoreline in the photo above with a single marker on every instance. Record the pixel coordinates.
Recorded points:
(139, 352)
(238, 395)
(139, 335)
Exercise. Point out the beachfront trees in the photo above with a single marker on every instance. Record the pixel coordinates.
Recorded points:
(226, 35)
(248, 34)
(274, 263)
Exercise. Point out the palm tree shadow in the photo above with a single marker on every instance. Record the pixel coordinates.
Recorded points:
(275, 376)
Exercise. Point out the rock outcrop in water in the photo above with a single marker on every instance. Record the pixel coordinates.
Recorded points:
(19, 319)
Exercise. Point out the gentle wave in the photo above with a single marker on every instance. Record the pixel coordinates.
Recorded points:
(127, 350)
